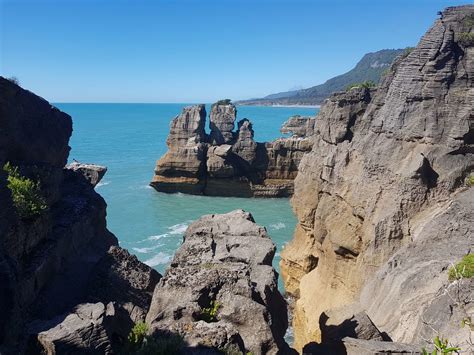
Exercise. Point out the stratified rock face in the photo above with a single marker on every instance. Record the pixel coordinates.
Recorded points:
(412, 285)
(48, 261)
(229, 163)
(183, 167)
(93, 173)
(225, 264)
(381, 161)
(299, 126)
(222, 123)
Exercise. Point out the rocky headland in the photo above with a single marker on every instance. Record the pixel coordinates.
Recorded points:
(228, 162)
(385, 202)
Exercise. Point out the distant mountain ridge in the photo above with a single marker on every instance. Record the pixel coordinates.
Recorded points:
(370, 67)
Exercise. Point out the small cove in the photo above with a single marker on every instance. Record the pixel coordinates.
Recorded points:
(128, 139)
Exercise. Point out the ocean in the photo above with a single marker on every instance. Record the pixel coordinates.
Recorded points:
(128, 139)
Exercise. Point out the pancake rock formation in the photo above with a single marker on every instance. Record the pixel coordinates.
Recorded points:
(221, 291)
(382, 201)
(66, 286)
(228, 162)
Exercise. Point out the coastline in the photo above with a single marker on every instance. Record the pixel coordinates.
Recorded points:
(287, 106)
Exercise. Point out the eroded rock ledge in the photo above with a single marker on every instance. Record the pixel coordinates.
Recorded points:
(382, 206)
(228, 162)
(225, 264)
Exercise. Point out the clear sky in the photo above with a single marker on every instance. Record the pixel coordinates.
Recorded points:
(196, 50)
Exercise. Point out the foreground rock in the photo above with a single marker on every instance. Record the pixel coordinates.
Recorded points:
(228, 162)
(221, 290)
(66, 285)
(381, 202)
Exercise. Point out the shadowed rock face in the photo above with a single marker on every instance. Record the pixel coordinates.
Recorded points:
(382, 163)
(225, 263)
(61, 271)
(228, 163)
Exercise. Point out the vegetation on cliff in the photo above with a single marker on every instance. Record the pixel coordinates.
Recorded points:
(463, 269)
(26, 193)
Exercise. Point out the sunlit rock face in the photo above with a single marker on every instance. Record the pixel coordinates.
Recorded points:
(228, 161)
(385, 166)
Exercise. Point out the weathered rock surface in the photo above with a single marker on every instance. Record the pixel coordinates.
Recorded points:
(225, 263)
(374, 347)
(183, 166)
(385, 168)
(222, 122)
(52, 263)
(228, 163)
(299, 126)
(93, 173)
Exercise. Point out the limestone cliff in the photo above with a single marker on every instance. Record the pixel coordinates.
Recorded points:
(383, 189)
(228, 162)
(66, 285)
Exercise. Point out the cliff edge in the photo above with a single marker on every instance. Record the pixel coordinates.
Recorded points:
(381, 200)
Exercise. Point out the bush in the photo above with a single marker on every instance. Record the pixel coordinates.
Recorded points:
(365, 84)
(470, 180)
(169, 345)
(223, 102)
(26, 194)
(463, 269)
(14, 80)
(209, 314)
(140, 343)
(441, 346)
(466, 39)
(138, 334)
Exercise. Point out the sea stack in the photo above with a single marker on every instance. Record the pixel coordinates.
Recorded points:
(228, 161)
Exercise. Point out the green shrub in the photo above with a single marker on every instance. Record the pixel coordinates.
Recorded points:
(169, 345)
(466, 39)
(14, 80)
(365, 84)
(470, 180)
(138, 333)
(223, 102)
(209, 314)
(140, 343)
(463, 269)
(441, 346)
(26, 194)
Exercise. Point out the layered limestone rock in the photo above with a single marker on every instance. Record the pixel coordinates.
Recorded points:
(299, 126)
(50, 260)
(385, 166)
(222, 122)
(183, 166)
(221, 290)
(228, 163)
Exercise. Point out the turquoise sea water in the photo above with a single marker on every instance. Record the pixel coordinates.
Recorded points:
(128, 139)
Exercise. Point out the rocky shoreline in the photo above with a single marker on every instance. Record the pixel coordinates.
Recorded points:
(228, 162)
(384, 195)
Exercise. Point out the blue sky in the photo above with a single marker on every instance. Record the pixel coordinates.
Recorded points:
(196, 50)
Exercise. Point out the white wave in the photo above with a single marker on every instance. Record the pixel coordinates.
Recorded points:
(276, 254)
(147, 250)
(277, 226)
(179, 228)
(158, 259)
(102, 183)
(158, 237)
